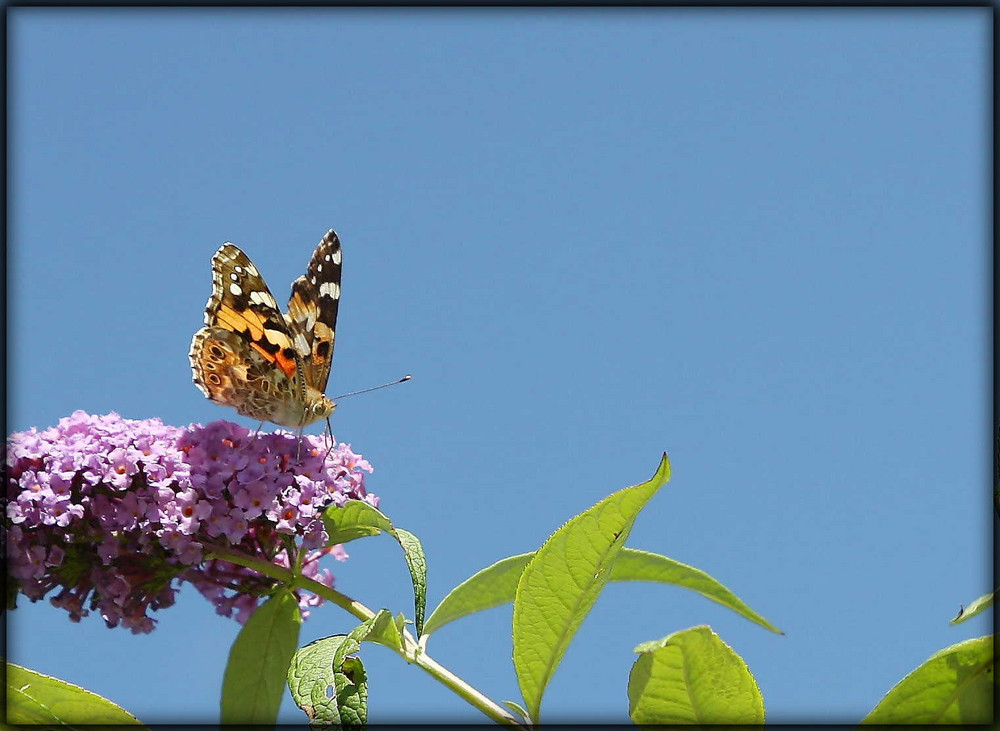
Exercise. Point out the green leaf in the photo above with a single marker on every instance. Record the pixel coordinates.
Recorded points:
(385, 630)
(310, 679)
(496, 584)
(955, 686)
(352, 691)
(413, 552)
(356, 519)
(562, 580)
(330, 685)
(34, 699)
(491, 587)
(983, 602)
(259, 660)
(635, 565)
(518, 711)
(352, 702)
(401, 622)
(689, 677)
(327, 695)
(352, 698)
(352, 642)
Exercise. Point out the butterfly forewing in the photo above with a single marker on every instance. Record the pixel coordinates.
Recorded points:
(242, 303)
(312, 311)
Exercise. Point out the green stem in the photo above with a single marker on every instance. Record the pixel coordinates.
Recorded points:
(285, 576)
(411, 651)
(475, 698)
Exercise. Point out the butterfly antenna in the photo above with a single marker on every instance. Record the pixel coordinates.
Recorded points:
(329, 427)
(407, 377)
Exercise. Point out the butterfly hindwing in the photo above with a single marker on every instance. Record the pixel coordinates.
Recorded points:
(312, 311)
(231, 374)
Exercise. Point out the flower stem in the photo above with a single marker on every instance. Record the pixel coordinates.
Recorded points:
(410, 651)
(284, 575)
(477, 699)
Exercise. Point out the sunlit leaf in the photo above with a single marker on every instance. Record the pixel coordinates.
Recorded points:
(355, 519)
(358, 519)
(496, 584)
(328, 695)
(385, 630)
(954, 686)
(413, 551)
(635, 565)
(259, 660)
(983, 602)
(493, 586)
(518, 711)
(692, 677)
(37, 699)
(562, 580)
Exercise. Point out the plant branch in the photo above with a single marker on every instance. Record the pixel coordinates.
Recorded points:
(284, 575)
(411, 651)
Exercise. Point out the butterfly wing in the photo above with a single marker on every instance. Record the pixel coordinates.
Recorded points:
(244, 356)
(312, 311)
(242, 303)
(232, 374)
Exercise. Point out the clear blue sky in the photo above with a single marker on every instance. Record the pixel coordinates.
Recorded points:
(758, 240)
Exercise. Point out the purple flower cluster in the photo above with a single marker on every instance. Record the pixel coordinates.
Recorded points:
(113, 514)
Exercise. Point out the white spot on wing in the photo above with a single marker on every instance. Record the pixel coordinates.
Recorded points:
(329, 289)
(235, 289)
(235, 277)
(262, 298)
(336, 256)
(253, 270)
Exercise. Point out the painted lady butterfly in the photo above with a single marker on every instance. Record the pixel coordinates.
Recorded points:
(268, 365)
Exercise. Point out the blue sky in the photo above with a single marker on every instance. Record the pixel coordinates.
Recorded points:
(758, 240)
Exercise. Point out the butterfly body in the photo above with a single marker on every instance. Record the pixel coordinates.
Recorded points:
(268, 365)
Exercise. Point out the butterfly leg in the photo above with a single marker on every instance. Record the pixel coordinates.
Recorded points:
(329, 430)
(253, 436)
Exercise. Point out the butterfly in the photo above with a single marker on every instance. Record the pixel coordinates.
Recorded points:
(268, 365)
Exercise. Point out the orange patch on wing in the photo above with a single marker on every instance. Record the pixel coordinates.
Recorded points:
(287, 365)
(269, 357)
(246, 321)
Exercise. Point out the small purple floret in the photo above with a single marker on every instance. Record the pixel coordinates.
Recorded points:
(112, 514)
